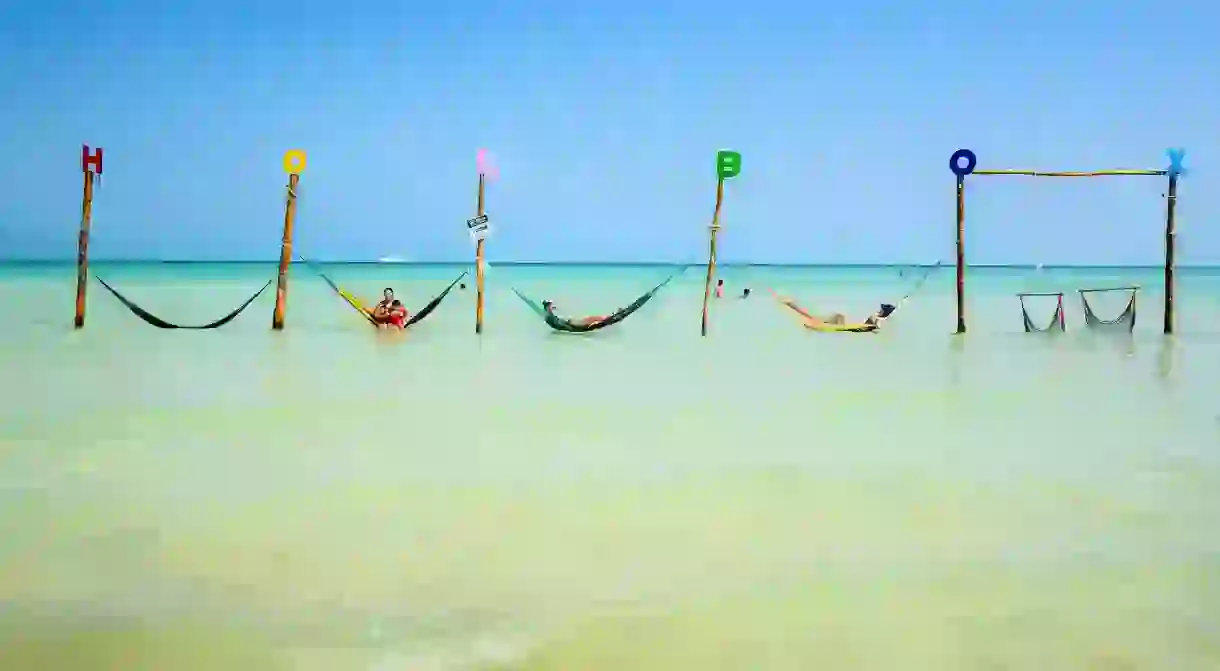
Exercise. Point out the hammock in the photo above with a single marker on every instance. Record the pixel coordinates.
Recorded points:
(568, 326)
(162, 324)
(1125, 321)
(814, 324)
(432, 304)
(416, 318)
(1057, 321)
(822, 326)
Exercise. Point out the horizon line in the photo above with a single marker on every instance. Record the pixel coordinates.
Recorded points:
(727, 264)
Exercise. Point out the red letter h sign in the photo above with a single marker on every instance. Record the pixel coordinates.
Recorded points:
(90, 161)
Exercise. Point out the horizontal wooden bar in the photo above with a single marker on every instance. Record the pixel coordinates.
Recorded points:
(1040, 293)
(1092, 173)
(1088, 291)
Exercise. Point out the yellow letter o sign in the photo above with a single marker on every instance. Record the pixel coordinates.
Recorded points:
(294, 162)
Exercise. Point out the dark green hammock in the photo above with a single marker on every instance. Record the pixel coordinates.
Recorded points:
(432, 304)
(162, 324)
(568, 326)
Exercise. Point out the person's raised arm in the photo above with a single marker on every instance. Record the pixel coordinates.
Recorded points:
(798, 309)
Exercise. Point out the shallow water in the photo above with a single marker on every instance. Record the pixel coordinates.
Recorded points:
(332, 498)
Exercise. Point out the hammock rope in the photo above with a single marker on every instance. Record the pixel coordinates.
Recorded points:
(156, 321)
(568, 326)
(1057, 322)
(1125, 321)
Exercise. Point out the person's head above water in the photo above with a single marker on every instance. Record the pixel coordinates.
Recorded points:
(387, 294)
(463, 286)
(746, 293)
(886, 310)
(396, 303)
(720, 283)
(548, 305)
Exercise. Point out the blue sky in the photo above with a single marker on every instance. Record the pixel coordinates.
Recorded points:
(605, 119)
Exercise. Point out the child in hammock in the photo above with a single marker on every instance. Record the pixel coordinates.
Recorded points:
(396, 315)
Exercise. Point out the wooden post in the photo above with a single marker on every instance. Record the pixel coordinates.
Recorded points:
(1171, 233)
(88, 162)
(711, 253)
(281, 286)
(82, 250)
(961, 254)
(478, 263)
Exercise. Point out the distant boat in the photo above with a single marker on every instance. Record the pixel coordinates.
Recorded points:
(391, 259)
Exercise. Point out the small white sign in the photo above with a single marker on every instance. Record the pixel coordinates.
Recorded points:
(480, 232)
(479, 227)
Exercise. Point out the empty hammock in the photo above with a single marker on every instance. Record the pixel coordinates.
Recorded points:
(1057, 322)
(162, 324)
(416, 318)
(568, 326)
(1125, 321)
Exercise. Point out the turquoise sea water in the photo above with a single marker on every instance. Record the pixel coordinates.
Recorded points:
(330, 497)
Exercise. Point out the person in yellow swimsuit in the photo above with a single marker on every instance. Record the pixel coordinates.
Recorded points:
(839, 319)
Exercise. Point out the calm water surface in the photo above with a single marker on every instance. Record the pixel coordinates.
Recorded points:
(765, 498)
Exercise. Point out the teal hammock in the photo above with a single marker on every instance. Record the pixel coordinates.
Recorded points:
(568, 326)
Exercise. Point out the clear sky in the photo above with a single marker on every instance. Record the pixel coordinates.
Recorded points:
(605, 119)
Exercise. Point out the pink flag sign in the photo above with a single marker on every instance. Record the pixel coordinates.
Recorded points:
(487, 165)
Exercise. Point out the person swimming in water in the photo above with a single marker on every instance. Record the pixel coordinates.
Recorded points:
(745, 293)
(549, 306)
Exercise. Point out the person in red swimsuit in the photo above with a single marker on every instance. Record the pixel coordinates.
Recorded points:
(396, 315)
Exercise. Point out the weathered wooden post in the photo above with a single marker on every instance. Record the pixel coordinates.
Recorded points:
(960, 171)
(294, 165)
(480, 220)
(91, 166)
(728, 166)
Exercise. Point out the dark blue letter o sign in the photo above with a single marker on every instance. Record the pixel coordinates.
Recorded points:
(956, 160)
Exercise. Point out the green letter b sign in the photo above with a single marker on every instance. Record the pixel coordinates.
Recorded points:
(728, 164)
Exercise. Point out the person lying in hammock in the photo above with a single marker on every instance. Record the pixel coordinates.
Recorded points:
(875, 319)
(549, 306)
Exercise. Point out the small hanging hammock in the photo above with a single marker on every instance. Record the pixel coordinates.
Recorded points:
(1125, 321)
(1057, 322)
